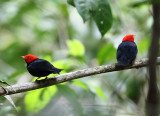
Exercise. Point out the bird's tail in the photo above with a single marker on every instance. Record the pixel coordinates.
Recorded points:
(57, 71)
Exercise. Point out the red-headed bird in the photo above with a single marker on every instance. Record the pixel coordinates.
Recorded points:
(39, 67)
(127, 51)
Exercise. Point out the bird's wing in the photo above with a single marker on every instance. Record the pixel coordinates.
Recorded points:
(41, 65)
(119, 51)
(132, 52)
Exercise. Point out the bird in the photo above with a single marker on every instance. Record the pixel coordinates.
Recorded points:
(39, 67)
(127, 51)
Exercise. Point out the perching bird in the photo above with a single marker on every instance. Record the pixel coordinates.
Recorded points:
(127, 51)
(39, 67)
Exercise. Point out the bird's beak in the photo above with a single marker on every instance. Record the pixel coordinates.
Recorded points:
(22, 56)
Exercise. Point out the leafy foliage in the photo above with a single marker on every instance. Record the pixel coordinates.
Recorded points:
(76, 48)
(102, 16)
(79, 83)
(106, 53)
(38, 99)
(100, 93)
(98, 9)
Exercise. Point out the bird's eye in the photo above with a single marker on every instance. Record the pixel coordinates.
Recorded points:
(28, 57)
(131, 36)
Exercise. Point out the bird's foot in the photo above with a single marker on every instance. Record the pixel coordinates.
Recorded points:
(46, 78)
(37, 79)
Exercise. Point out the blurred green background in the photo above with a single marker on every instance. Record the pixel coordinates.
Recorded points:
(55, 31)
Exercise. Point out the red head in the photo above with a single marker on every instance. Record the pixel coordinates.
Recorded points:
(129, 37)
(29, 58)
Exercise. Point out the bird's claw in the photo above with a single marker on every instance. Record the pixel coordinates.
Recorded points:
(46, 78)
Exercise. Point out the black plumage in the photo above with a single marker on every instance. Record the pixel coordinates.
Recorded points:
(41, 68)
(126, 53)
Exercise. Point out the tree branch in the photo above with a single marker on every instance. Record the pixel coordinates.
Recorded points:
(70, 76)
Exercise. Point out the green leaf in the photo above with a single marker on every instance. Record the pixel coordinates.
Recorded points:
(100, 93)
(99, 9)
(83, 7)
(37, 99)
(143, 45)
(67, 65)
(48, 58)
(76, 48)
(138, 3)
(103, 16)
(83, 85)
(79, 83)
(106, 53)
(71, 2)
